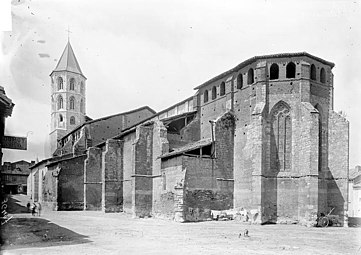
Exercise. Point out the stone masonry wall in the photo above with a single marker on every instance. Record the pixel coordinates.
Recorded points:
(338, 164)
(50, 188)
(142, 178)
(112, 176)
(169, 204)
(128, 171)
(160, 146)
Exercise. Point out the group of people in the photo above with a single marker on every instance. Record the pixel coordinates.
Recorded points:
(35, 208)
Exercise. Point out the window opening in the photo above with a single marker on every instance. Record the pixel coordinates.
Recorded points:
(274, 72)
(250, 76)
(291, 70)
(222, 89)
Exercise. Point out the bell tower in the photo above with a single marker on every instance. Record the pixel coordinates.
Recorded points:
(67, 97)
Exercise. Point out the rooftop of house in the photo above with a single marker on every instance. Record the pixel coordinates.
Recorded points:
(6, 105)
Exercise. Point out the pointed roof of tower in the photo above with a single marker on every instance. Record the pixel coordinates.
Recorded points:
(68, 61)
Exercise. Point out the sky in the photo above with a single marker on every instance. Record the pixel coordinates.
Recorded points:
(137, 53)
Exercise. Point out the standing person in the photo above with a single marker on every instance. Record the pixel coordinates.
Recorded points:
(28, 206)
(33, 211)
(39, 209)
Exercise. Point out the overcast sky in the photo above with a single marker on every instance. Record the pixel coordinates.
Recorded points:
(137, 53)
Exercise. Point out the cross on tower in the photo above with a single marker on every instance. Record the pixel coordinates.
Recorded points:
(68, 30)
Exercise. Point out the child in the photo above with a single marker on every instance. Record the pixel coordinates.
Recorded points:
(33, 211)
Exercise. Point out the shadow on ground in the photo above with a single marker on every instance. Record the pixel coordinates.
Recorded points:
(14, 206)
(37, 232)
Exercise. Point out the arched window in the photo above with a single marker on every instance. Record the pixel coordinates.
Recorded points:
(205, 96)
(72, 103)
(274, 72)
(72, 84)
(322, 75)
(239, 81)
(61, 119)
(60, 83)
(82, 87)
(60, 102)
(222, 89)
(214, 92)
(250, 76)
(291, 70)
(313, 72)
(82, 106)
(72, 120)
(281, 138)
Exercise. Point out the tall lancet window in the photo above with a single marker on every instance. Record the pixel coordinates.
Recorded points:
(281, 138)
(60, 102)
(82, 106)
(60, 83)
(72, 103)
(72, 84)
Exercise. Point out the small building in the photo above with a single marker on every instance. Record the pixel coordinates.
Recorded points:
(14, 176)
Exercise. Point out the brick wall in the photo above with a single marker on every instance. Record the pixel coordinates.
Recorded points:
(107, 128)
(93, 179)
(71, 184)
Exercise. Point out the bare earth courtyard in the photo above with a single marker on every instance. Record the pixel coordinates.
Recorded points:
(79, 232)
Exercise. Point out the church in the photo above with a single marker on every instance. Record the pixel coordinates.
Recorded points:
(262, 137)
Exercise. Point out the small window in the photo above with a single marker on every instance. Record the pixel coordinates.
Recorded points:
(82, 106)
(223, 89)
(72, 120)
(274, 72)
(214, 92)
(72, 84)
(61, 119)
(82, 87)
(313, 72)
(205, 96)
(72, 103)
(250, 76)
(322, 75)
(60, 102)
(60, 83)
(240, 81)
(291, 70)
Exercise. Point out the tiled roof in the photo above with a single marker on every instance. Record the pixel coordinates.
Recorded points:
(188, 147)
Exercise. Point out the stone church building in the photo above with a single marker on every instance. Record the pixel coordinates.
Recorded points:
(262, 137)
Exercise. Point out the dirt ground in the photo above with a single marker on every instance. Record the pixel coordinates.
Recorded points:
(98, 233)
